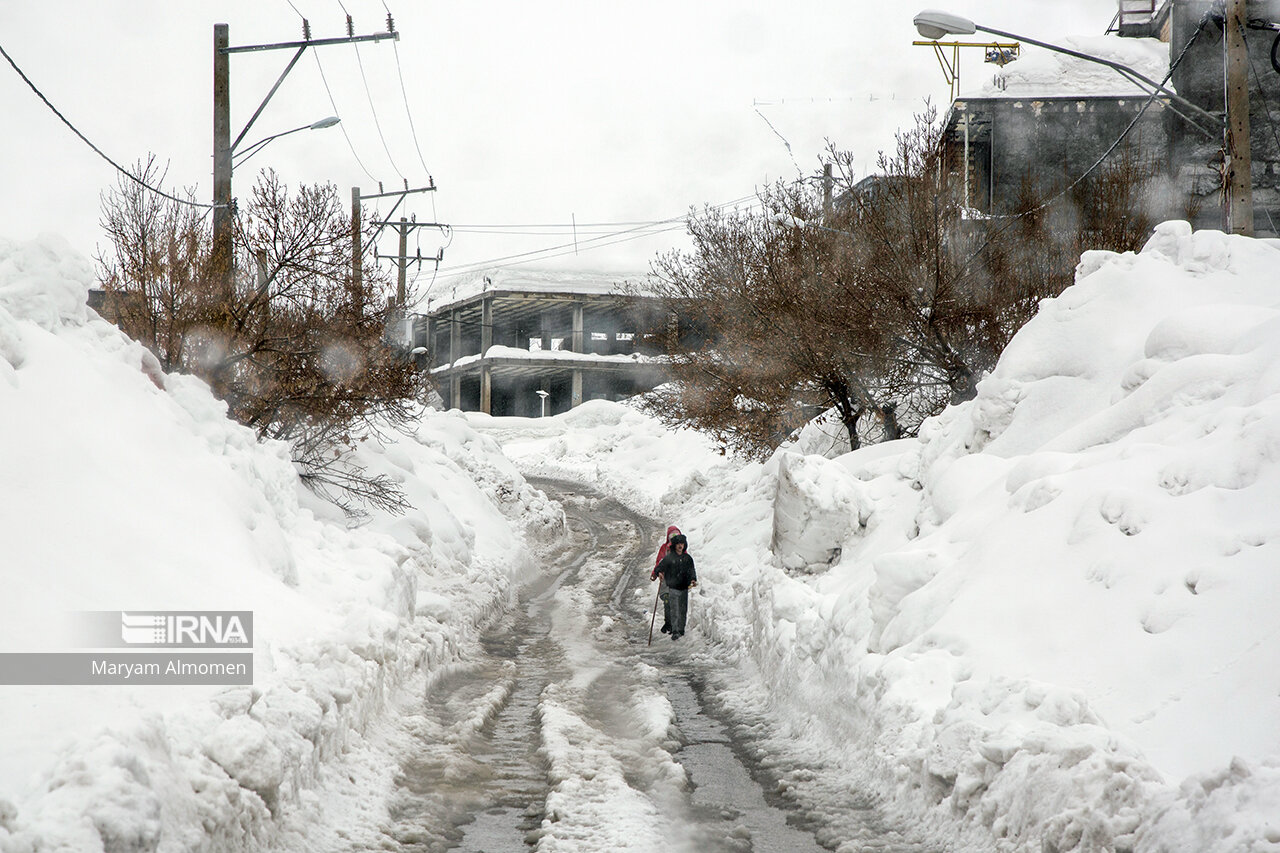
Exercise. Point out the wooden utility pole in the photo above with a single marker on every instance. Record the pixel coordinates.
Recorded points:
(1239, 172)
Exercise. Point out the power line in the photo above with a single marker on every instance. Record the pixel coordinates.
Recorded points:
(408, 112)
(374, 111)
(1123, 135)
(647, 229)
(334, 104)
(95, 148)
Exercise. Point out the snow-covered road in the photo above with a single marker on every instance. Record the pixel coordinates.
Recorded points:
(560, 729)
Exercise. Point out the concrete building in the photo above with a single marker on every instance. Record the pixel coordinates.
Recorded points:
(1043, 120)
(497, 343)
(1046, 118)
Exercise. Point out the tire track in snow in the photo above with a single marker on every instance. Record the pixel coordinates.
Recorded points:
(560, 730)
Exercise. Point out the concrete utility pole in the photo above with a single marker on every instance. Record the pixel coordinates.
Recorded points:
(826, 190)
(403, 226)
(357, 247)
(222, 214)
(1239, 176)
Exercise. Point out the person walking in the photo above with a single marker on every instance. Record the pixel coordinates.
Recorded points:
(677, 571)
(662, 584)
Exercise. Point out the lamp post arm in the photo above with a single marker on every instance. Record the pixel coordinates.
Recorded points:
(1123, 69)
(262, 143)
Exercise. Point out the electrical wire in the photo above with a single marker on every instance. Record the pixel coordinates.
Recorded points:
(95, 148)
(1123, 135)
(341, 127)
(374, 111)
(648, 229)
(404, 93)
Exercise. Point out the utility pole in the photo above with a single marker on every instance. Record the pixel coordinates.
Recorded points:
(357, 249)
(403, 226)
(222, 213)
(1239, 176)
(826, 190)
(224, 148)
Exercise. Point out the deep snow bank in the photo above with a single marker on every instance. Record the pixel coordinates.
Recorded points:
(1051, 625)
(122, 488)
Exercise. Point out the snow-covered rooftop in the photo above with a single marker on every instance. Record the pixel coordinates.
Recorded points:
(498, 351)
(1041, 73)
(528, 281)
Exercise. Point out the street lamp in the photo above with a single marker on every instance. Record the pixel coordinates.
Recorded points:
(544, 395)
(933, 24)
(262, 143)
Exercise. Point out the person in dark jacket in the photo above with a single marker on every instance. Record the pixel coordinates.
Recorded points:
(678, 573)
(662, 585)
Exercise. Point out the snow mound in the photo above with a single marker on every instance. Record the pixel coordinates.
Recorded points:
(127, 489)
(1051, 624)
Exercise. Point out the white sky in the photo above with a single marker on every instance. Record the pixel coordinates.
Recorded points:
(525, 112)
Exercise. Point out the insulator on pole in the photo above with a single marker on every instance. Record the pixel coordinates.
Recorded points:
(351, 28)
(306, 30)
(391, 24)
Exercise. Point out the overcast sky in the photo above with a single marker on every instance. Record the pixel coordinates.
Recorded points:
(525, 113)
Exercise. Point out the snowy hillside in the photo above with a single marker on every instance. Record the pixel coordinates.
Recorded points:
(1051, 619)
(122, 488)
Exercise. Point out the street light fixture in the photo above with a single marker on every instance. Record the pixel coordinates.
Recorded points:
(244, 155)
(933, 24)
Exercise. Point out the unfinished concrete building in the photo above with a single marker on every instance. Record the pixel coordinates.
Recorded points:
(534, 343)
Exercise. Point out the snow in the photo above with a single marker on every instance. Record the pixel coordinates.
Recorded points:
(1052, 616)
(1047, 623)
(500, 351)
(128, 489)
(1041, 73)
(527, 281)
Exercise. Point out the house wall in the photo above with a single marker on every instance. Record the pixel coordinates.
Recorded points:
(1048, 143)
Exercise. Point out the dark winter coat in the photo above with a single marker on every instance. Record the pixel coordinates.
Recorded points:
(678, 570)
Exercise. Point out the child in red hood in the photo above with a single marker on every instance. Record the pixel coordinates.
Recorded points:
(662, 585)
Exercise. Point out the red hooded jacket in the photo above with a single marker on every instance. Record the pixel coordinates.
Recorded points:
(662, 552)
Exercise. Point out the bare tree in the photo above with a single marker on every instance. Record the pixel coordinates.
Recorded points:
(885, 306)
(297, 350)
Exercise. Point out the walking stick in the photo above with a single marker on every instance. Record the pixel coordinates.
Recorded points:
(654, 617)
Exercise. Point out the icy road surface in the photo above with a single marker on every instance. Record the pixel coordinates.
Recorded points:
(560, 729)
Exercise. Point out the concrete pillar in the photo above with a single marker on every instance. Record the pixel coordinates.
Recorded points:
(455, 337)
(486, 324)
(455, 392)
(575, 399)
(486, 390)
(430, 343)
(547, 321)
(577, 343)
